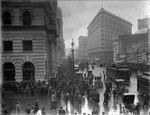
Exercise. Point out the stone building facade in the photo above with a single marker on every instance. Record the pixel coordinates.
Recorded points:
(134, 48)
(60, 40)
(101, 31)
(29, 37)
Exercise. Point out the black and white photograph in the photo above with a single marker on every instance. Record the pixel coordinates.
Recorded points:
(75, 57)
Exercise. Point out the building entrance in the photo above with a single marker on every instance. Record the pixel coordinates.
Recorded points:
(28, 71)
(8, 72)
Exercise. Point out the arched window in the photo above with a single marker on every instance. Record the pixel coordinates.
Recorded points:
(26, 18)
(8, 72)
(6, 18)
(28, 71)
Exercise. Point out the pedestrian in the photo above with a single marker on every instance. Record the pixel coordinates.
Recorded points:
(54, 104)
(43, 111)
(18, 108)
(4, 110)
(104, 76)
(138, 108)
(114, 94)
(36, 106)
(146, 101)
(62, 111)
(94, 112)
(32, 111)
(28, 110)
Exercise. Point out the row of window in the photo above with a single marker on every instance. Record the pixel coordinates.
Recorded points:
(8, 45)
(7, 18)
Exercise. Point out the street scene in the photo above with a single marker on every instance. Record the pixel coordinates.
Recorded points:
(75, 57)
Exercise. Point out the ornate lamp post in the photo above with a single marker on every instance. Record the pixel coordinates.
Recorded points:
(72, 50)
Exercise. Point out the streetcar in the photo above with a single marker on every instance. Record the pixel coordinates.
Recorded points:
(143, 83)
(118, 72)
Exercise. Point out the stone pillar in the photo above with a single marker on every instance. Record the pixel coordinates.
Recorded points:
(16, 17)
(18, 72)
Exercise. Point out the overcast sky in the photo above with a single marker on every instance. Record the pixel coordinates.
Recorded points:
(78, 14)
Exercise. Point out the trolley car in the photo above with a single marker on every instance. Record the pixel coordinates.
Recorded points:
(143, 83)
(121, 72)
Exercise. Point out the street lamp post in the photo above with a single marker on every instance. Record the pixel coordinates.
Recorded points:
(72, 44)
(72, 50)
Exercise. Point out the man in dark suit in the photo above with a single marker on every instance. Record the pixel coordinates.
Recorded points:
(62, 111)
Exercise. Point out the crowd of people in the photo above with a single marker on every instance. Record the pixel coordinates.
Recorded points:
(66, 85)
(27, 88)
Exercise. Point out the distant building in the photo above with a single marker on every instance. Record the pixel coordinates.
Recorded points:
(76, 54)
(29, 38)
(134, 48)
(82, 52)
(131, 48)
(101, 31)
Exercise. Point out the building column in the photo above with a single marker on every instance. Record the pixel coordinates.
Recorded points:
(18, 72)
(52, 57)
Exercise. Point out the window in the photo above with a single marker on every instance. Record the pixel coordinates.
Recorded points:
(27, 45)
(7, 18)
(7, 45)
(26, 18)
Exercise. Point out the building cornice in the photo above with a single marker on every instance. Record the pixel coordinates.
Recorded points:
(103, 11)
(29, 28)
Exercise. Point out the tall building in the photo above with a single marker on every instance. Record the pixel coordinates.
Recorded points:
(101, 31)
(29, 37)
(82, 52)
(60, 46)
(76, 54)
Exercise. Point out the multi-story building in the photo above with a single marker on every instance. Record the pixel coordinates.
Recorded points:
(131, 48)
(60, 46)
(82, 52)
(29, 37)
(134, 48)
(76, 54)
(101, 31)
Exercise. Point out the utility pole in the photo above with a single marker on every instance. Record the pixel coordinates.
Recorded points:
(72, 50)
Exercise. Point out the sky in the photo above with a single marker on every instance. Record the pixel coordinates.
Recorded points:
(77, 14)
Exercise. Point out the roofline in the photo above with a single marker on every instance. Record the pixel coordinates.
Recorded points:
(102, 10)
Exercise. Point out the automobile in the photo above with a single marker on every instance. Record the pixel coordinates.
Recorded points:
(79, 73)
(120, 85)
(90, 73)
(97, 81)
(128, 102)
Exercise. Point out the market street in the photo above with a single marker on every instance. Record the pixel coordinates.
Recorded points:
(86, 106)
